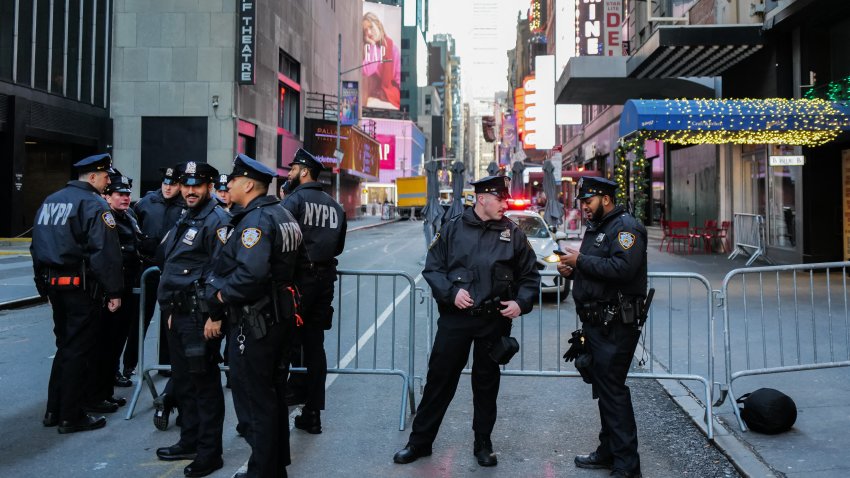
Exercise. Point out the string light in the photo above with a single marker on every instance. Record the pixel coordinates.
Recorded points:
(634, 146)
(833, 91)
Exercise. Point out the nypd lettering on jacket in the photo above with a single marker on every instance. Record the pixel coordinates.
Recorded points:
(320, 215)
(53, 214)
(322, 223)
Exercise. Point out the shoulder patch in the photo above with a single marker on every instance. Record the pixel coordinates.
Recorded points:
(222, 234)
(108, 219)
(250, 237)
(626, 239)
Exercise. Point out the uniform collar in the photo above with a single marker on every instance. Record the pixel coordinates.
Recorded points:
(310, 185)
(86, 186)
(255, 203)
(614, 212)
(472, 219)
(204, 210)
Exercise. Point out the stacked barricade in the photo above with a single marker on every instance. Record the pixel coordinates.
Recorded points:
(750, 238)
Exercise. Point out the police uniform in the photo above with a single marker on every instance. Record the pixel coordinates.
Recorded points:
(190, 250)
(115, 326)
(323, 226)
(493, 261)
(254, 277)
(156, 214)
(77, 261)
(611, 264)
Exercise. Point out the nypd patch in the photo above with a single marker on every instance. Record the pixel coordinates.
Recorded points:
(250, 237)
(626, 239)
(222, 234)
(108, 219)
(505, 235)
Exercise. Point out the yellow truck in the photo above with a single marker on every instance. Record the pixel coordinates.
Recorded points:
(411, 194)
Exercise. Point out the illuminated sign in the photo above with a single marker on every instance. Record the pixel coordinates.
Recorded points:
(386, 145)
(540, 105)
(589, 27)
(787, 161)
(613, 19)
(246, 42)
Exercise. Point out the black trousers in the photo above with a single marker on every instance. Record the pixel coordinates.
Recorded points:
(317, 293)
(75, 320)
(612, 352)
(198, 393)
(258, 382)
(112, 331)
(131, 353)
(455, 336)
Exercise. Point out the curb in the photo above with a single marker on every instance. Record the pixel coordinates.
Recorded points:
(370, 226)
(739, 454)
(22, 302)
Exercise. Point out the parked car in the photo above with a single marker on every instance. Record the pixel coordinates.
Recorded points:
(544, 242)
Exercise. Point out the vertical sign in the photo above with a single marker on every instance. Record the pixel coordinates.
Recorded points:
(589, 27)
(613, 18)
(386, 143)
(246, 35)
(350, 106)
(845, 175)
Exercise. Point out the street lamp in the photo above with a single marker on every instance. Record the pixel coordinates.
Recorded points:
(338, 154)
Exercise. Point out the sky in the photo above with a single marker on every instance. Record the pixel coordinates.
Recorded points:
(484, 62)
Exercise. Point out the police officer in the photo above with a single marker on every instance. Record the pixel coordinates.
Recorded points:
(323, 225)
(190, 249)
(609, 286)
(115, 326)
(483, 274)
(253, 278)
(157, 212)
(221, 192)
(77, 261)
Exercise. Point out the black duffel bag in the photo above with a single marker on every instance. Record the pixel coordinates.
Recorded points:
(768, 411)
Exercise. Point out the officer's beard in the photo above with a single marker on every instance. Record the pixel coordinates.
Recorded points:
(598, 213)
(295, 182)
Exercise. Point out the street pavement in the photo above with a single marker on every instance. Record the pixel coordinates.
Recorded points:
(542, 423)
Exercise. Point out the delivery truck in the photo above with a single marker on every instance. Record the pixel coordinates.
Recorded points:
(411, 195)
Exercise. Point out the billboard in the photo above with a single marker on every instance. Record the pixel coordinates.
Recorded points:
(360, 151)
(589, 28)
(387, 145)
(348, 112)
(540, 105)
(613, 21)
(381, 52)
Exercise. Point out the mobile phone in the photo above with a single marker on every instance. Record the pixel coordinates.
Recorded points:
(559, 252)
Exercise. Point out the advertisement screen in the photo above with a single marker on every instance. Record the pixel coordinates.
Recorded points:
(348, 113)
(381, 52)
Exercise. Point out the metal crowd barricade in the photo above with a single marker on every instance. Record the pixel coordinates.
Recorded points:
(750, 237)
(144, 375)
(784, 319)
(682, 307)
(360, 346)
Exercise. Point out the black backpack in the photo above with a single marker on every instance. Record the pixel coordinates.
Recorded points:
(768, 411)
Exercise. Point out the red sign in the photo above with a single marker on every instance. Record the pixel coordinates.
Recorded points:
(387, 148)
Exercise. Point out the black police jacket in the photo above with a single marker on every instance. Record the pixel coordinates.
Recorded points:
(487, 258)
(190, 249)
(612, 259)
(157, 216)
(130, 237)
(262, 249)
(73, 228)
(322, 222)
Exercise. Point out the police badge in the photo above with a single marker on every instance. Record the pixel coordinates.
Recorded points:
(626, 239)
(189, 238)
(250, 237)
(191, 167)
(505, 235)
(108, 219)
(222, 234)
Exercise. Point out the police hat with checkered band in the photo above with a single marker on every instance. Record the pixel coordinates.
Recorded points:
(193, 173)
(98, 162)
(221, 184)
(118, 183)
(307, 160)
(589, 186)
(245, 166)
(498, 186)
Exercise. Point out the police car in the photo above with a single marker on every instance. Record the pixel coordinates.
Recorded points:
(543, 242)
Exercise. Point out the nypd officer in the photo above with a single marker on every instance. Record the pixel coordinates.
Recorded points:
(323, 226)
(253, 280)
(222, 192)
(190, 249)
(609, 286)
(483, 274)
(157, 212)
(77, 262)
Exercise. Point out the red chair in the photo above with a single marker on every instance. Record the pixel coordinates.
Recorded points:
(722, 236)
(706, 234)
(680, 231)
(665, 233)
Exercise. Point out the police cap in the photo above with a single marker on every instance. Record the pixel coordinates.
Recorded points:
(193, 173)
(251, 168)
(98, 162)
(171, 174)
(307, 160)
(498, 186)
(589, 186)
(221, 185)
(118, 183)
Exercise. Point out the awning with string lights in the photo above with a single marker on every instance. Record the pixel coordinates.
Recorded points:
(799, 122)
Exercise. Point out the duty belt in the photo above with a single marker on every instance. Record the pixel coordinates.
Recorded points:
(316, 266)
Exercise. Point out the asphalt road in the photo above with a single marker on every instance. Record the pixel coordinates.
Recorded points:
(543, 422)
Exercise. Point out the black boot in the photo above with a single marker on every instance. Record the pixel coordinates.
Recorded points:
(483, 450)
(310, 421)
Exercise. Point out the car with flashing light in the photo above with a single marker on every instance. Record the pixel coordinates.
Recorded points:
(544, 242)
(518, 204)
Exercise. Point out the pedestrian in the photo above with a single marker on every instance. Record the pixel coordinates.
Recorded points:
(609, 287)
(253, 279)
(77, 264)
(190, 250)
(323, 226)
(157, 212)
(114, 327)
(483, 275)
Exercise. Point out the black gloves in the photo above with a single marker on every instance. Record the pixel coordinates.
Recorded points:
(577, 348)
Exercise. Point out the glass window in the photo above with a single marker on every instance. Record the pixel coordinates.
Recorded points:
(7, 38)
(782, 223)
(87, 54)
(289, 109)
(71, 78)
(25, 12)
(42, 38)
(57, 74)
(289, 67)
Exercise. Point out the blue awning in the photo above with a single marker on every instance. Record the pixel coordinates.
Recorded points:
(777, 120)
